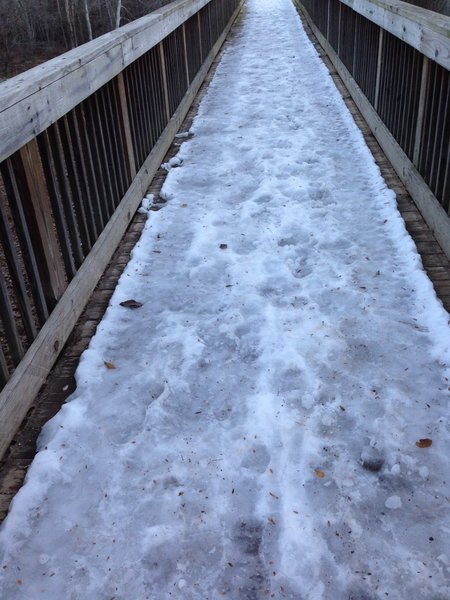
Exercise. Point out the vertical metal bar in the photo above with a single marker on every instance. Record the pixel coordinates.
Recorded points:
(55, 199)
(171, 72)
(414, 94)
(64, 189)
(438, 129)
(145, 90)
(407, 90)
(399, 65)
(25, 242)
(92, 175)
(80, 158)
(155, 99)
(444, 157)
(158, 94)
(392, 83)
(16, 274)
(91, 142)
(429, 124)
(446, 183)
(193, 48)
(98, 129)
(116, 146)
(74, 184)
(150, 91)
(9, 323)
(386, 78)
(111, 171)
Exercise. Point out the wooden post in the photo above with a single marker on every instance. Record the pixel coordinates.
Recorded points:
(379, 65)
(421, 110)
(126, 125)
(327, 34)
(164, 78)
(202, 58)
(354, 44)
(38, 215)
(339, 29)
(186, 62)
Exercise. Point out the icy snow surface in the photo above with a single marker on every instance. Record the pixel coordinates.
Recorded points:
(257, 437)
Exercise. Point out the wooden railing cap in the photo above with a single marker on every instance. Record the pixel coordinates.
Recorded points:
(35, 99)
(425, 30)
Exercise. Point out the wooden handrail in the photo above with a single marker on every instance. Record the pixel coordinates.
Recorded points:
(32, 101)
(425, 30)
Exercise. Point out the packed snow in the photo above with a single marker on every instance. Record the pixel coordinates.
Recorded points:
(272, 421)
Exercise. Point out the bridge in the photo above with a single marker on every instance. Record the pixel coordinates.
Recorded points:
(262, 411)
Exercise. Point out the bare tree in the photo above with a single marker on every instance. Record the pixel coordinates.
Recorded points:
(87, 19)
(32, 29)
(118, 11)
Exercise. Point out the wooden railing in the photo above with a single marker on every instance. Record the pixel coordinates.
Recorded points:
(81, 137)
(395, 59)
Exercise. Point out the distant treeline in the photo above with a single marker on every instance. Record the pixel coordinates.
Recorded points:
(440, 6)
(33, 30)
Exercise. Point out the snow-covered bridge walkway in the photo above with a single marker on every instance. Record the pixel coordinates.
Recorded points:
(252, 430)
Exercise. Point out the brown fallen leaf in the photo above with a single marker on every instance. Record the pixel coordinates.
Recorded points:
(424, 443)
(271, 521)
(131, 304)
(319, 473)
(109, 365)
(223, 246)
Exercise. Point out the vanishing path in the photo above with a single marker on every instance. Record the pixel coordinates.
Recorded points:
(255, 433)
